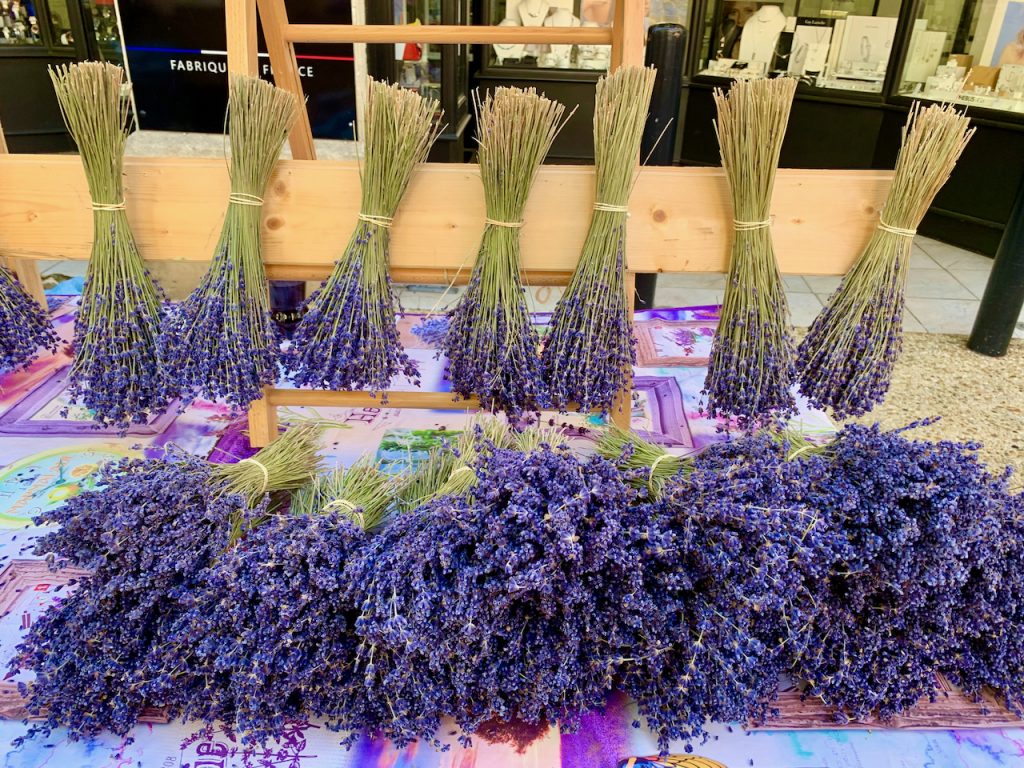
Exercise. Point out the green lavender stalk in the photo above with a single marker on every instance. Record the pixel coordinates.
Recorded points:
(362, 493)
(652, 464)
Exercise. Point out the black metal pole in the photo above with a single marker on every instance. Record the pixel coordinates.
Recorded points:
(1004, 292)
(666, 44)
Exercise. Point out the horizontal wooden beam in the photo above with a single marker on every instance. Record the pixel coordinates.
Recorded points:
(445, 401)
(681, 218)
(445, 33)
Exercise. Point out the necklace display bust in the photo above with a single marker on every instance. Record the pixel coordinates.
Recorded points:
(761, 34)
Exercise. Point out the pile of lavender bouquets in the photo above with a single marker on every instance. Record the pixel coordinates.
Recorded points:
(527, 592)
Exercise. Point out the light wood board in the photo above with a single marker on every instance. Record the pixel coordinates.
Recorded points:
(680, 217)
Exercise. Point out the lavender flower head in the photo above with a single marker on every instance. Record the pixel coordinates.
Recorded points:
(24, 327)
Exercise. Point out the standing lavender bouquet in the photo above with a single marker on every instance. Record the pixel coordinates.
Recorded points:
(115, 373)
(348, 338)
(24, 326)
(221, 342)
(845, 361)
(590, 350)
(751, 364)
(491, 344)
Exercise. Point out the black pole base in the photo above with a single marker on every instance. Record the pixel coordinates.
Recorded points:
(1004, 293)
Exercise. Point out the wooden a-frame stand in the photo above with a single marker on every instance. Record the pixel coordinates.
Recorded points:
(680, 217)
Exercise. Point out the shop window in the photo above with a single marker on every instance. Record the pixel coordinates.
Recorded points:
(19, 24)
(829, 44)
(967, 51)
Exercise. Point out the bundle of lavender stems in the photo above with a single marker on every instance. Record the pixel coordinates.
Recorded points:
(751, 367)
(589, 352)
(845, 362)
(348, 338)
(491, 344)
(116, 373)
(25, 328)
(221, 343)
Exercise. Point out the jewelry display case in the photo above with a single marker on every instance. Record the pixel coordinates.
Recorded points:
(969, 52)
(831, 45)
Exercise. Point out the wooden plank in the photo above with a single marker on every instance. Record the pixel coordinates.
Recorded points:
(628, 34)
(443, 33)
(240, 18)
(28, 275)
(285, 68)
(262, 421)
(681, 217)
(442, 401)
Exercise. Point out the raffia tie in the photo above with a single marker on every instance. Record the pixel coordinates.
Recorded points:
(748, 226)
(611, 208)
(241, 198)
(463, 468)
(108, 206)
(901, 231)
(380, 221)
(348, 506)
(266, 474)
(509, 224)
(654, 466)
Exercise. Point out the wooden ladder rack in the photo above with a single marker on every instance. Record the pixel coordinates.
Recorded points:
(680, 217)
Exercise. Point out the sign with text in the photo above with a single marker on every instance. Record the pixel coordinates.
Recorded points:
(178, 62)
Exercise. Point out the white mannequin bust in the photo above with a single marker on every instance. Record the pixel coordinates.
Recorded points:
(559, 55)
(761, 34)
(532, 13)
(504, 51)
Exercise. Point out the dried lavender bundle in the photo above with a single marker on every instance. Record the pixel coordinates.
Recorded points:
(25, 327)
(649, 464)
(845, 362)
(221, 342)
(491, 344)
(348, 338)
(362, 493)
(115, 373)
(751, 366)
(589, 352)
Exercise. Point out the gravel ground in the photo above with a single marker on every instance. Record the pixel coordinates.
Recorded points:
(977, 397)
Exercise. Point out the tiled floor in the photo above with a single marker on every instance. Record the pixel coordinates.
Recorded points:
(943, 291)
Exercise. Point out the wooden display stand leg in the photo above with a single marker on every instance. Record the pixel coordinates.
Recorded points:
(28, 276)
(262, 421)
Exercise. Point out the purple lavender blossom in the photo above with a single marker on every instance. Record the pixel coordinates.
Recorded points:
(25, 328)
(116, 372)
(590, 351)
(431, 330)
(514, 605)
(219, 344)
(845, 362)
(348, 338)
(147, 531)
(492, 346)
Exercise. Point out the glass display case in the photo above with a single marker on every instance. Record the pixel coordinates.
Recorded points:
(833, 45)
(968, 52)
(19, 24)
(549, 13)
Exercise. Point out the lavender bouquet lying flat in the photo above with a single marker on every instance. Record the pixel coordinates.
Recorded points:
(24, 327)
(116, 372)
(491, 345)
(221, 342)
(348, 338)
(590, 349)
(751, 366)
(846, 360)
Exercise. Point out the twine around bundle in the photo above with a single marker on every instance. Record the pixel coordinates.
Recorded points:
(266, 474)
(241, 198)
(509, 224)
(380, 221)
(903, 232)
(749, 226)
(109, 206)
